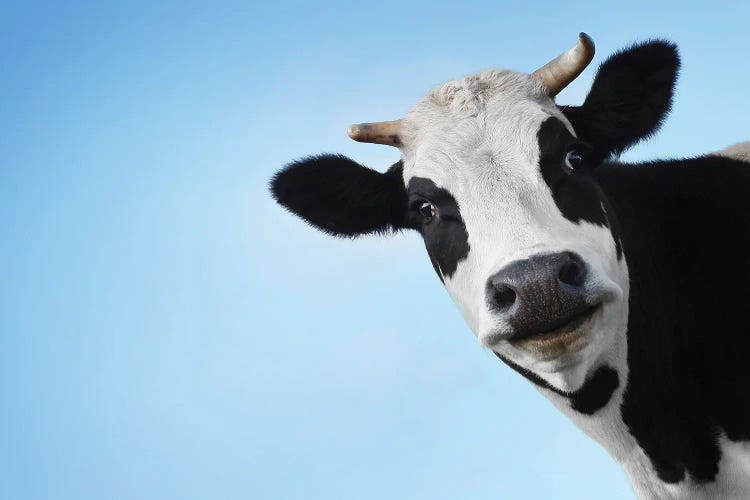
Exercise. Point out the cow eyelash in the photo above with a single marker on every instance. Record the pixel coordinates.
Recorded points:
(415, 201)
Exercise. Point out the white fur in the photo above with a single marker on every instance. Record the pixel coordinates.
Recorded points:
(739, 151)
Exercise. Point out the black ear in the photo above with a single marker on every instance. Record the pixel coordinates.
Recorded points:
(629, 99)
(342, 197)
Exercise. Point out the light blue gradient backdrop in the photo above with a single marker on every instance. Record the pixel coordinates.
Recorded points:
(167, 332)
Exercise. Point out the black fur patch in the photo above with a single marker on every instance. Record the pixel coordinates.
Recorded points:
(445, 236)
(685, 228)
(341, 197)
(629, 99)
(593, 395)
(576, 195)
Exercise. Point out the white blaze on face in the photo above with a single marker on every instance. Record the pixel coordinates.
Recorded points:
(477, 138)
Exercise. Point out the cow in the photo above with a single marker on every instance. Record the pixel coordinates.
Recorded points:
(618, 289)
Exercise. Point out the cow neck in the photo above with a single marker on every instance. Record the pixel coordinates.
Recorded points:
(687, 336)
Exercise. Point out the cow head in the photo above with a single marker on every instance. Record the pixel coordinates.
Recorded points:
(500, 182)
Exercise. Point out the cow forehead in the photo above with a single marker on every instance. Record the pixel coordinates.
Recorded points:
(463, 127)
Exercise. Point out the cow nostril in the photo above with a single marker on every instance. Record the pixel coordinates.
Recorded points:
(572, 273)
(504, 297)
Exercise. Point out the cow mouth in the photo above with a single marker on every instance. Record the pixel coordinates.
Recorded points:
(566, 332)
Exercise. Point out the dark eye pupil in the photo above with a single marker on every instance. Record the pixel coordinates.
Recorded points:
(573, 160)
(427, 210)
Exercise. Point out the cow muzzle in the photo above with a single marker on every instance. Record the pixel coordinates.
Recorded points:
(545, 304)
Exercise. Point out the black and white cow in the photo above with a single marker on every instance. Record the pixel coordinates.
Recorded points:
(620, 290)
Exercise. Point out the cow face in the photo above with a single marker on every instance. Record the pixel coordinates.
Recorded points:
(501, 184)
(497, 184)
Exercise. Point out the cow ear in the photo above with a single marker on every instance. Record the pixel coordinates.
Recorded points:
(341, 197)
(629, 99)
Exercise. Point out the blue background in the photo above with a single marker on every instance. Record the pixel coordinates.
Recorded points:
(167, 332)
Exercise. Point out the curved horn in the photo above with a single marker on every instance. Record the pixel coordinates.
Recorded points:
(560, 71)
(388, 133)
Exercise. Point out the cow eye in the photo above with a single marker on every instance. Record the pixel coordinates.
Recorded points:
(573, 160)
(428, 211)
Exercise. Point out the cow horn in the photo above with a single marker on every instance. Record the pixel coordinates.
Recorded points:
(560, 71)
(388, 133)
